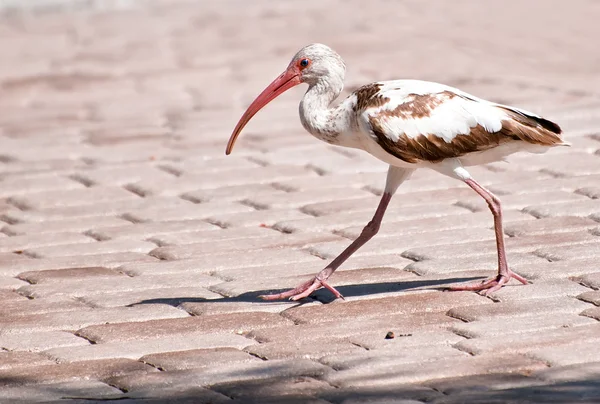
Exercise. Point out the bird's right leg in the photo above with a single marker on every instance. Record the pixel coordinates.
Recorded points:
(394, 178)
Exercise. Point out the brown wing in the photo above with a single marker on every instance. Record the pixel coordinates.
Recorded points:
(435, 126)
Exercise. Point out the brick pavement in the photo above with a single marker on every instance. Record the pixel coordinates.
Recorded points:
(132, 250)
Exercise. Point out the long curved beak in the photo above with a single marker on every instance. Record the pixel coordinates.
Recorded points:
(281, 84)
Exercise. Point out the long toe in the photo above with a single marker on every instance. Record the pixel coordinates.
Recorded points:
(491, 285)
(290, 293)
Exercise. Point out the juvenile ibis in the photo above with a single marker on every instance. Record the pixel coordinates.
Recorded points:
(408, 124)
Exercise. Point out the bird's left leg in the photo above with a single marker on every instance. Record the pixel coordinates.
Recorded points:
(504, 272)
(395, 177)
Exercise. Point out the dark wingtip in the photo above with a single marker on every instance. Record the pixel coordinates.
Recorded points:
(549, 125)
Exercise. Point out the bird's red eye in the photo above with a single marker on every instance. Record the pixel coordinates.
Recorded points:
(303, 63)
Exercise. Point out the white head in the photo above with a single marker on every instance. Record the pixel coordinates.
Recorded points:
(317, 62)
(315, 65)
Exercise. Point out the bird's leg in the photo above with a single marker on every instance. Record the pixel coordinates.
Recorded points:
(504, 273)
(320, 280)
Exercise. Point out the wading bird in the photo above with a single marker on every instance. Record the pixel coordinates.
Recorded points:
(408, 124)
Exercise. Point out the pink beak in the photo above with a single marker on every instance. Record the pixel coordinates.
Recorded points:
(288, 79)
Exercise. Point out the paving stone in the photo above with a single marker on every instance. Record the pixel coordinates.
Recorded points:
(25, 307)
(184, 212)
(387, 261)
(30, 184)
(570, 354)
(593, 312)
(121, 175)
(457, 218)
(539, 289)
(359, 282)
(192, 236)
(574, 208)
(405, 304)
(99, 247)
(81, 287)
(389, 372)
(525, 342)
(8, 360)
(21, 243)
(339, 181)
(591, 280)
(477, 204)
(54, 275)
(393, 394)
(235, 193)
(86, 370)
(574, 252)
(590, 192)
(73, 320)
(192, 182)
(173, 296)
(430, 267)
(320, 197)
(570, 373)
(397, 354)
(222, 374)
(220, 261)
(135, 349)
(590, 297)
(10, 283)
(395, 245)
(312, 349)
(519, 308)
(392, 227)
(149, 230)
(403, 338)
(291, 389)
(555, 269)
(346, 328)
(513, 244)
(49, 392)
(275, 240)
(40, 341)
(259, 218)
(569, 184)
(84, 196)
(110, 208)
(576, 164)
(546, 225)
(197, 358)
(114, 260)
(236, 322)
(198, 307)
(458, 387)
(80, 225)
(489, 327)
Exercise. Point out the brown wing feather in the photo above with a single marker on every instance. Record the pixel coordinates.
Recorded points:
(432, 148)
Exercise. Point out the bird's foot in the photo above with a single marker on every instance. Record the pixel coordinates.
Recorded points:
(491, 285)
(302, 291)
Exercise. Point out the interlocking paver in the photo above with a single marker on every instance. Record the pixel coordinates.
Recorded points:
(197, 358)
(75, 319)
(40, 341)
(112, 154)
(73, 225)
(112, 260)
(547, 225)
(86, 370)
(502, 310)
(135, 349)
(237, 322)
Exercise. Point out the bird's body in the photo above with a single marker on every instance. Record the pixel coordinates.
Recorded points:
(408, 124)
(416, 124)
